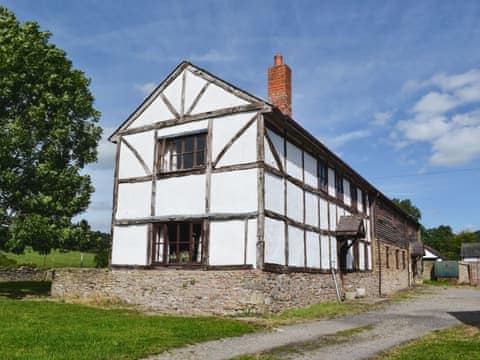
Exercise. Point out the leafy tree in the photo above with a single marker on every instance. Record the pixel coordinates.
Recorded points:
(48, 133)
(441, 238)
(407, 206)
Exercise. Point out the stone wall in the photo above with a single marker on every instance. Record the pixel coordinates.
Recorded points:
(24, 274)
(393, 275)
(196, 292)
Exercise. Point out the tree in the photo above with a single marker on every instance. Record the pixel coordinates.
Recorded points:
(48, 133)
(441, 238)
(407, 206)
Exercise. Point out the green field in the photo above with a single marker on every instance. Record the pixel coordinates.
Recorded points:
(55, 259)
(40, 329)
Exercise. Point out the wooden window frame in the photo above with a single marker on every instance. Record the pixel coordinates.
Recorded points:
(339, 186)
(181, 155)
(353, 196)
(397, 259)
(322, 175)
(387, 256)
(163, 227)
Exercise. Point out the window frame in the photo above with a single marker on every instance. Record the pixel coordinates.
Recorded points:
(163, 148)
(156, 244)
(339, 190)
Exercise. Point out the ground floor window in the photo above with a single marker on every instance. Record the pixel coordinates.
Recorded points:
(177, 243)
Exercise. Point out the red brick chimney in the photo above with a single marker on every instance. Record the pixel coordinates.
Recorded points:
(280, 85)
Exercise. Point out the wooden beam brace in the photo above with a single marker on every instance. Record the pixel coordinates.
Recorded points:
(233, 139)
(138, 156)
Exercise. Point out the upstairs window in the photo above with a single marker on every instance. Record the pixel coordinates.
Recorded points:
(322, 174)
(339, 186)
(353, 196)
(183, 153)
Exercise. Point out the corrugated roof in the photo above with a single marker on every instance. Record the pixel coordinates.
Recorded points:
(470, 250)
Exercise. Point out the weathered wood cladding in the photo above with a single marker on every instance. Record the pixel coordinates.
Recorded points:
(392, 227)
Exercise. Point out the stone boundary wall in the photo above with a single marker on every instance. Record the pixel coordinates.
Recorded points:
(24, 273)
(196, 292)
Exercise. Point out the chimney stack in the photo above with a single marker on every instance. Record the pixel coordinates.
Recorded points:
(280, 85)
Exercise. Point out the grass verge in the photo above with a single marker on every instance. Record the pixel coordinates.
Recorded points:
(459, 342)
(56, 259)
(49, 330)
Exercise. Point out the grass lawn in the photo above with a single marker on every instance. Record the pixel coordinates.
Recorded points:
(55, 259)
(459, 342)
(40, 329)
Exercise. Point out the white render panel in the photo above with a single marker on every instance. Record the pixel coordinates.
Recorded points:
(359, 200)
(234, 191)
(368, 236)
(227, 242)
(243, 150)
(216, 98)
(325, 251)
(294, 161)
(311, 209)
(323, 214)
(333, 254)
(133, 200)
(331, 182)
(274, 194)
(225, 128)
(144, 144)
(313, 250)
(181, 195)
(252, 242)
(269, 158)
(128, 165)
(346, 193)
(173, 92)
(278, 142)
(296, 252)
(361, 255)
(340, 212)
(194, 85)
(184, 129)
(155, 112)
(333, 217)
(129, 246)
(294, 202)
(274, 241)
(310, 164)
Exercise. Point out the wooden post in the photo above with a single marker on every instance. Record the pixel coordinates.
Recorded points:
(261, 193)
(115, 195)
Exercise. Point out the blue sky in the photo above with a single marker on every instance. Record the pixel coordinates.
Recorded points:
(392, 87)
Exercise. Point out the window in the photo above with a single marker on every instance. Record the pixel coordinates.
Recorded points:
(404, 265)
(182, 153)
(322, 174)
(397, 259)
(353, 195)
(387, 256)
(177, 243)
(339, 186)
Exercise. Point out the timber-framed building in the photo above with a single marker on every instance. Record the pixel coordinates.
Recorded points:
(210, 177)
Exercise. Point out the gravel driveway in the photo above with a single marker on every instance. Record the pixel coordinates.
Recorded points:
(389, 326)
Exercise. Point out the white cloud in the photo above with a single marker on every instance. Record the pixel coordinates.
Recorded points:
(106, 152)
(346, 137)
(146, 88)
(457, 147)
(440, 119)
(444, 82)
(381, 118)
(435, 103)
